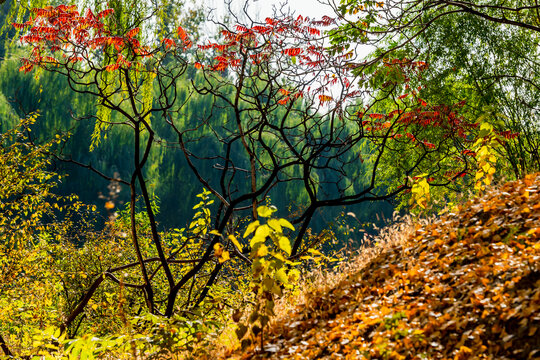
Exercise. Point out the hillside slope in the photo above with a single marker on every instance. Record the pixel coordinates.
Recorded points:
(467, 286)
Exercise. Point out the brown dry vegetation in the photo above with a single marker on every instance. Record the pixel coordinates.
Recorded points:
(465, 286)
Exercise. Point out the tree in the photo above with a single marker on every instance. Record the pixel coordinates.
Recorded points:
(274, 82)
(484, 54)
(118, 71)
(296, 115)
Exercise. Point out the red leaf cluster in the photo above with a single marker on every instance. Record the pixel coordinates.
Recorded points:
(261, 41)
(60, 35)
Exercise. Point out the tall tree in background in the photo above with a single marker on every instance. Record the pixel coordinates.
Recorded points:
(483, 53)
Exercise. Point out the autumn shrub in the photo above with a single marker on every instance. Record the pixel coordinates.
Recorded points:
(51, 254)
(34, 223)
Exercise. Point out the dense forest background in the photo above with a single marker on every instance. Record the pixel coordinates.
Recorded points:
(63, 111)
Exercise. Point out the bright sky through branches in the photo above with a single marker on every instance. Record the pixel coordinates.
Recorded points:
(260, 9)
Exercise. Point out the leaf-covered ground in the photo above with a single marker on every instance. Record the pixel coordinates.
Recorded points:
(467, 286)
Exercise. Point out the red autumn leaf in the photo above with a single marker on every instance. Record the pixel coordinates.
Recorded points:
(284, 101)
(376, 116)
(292, 51)
(205, 47)
(168, 43)
(105, 13)
(26, 67)
(221, 59)
(18, 26)
(241, 28)
(181, 33)
(133, 32)
(325, 98)
(261, 29)
(313, 31)
(90, 15)
(220, 67)
(112, 67)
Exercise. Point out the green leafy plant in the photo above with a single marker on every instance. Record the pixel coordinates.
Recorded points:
(485, 146)
(270, 270)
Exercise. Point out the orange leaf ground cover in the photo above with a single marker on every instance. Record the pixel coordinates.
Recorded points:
(467, 286)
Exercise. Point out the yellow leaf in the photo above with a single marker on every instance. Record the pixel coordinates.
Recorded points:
(233, 239)
(275, 224)
(262, 250)
(279, 256)
(262, 231)
(294, 275)
(285, 245)
(218, 249)
(265, 211)
(281, 275)
(286, 224)
(251, 227)
(224, 257)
